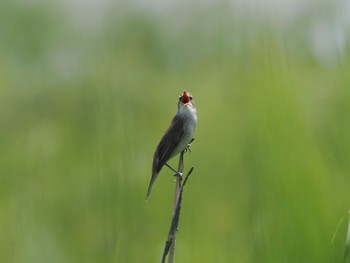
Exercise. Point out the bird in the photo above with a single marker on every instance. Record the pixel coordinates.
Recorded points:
(176, 138)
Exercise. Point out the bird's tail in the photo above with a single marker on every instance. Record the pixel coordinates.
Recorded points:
(154, 176)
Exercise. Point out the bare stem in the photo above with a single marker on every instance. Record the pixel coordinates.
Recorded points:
(170, 243)
(176, 201)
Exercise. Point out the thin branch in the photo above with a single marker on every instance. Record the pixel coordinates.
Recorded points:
(170, 243)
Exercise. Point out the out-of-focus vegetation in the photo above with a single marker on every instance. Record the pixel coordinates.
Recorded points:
(87, 89)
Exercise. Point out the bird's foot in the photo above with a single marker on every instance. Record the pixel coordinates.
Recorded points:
(176, 172)
(188, 149)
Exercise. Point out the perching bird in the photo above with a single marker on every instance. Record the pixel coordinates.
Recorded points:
(177, 136)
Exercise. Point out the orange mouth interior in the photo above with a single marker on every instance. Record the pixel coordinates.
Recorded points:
(185, 98)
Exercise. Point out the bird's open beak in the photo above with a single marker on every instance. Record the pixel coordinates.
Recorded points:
(185, 98)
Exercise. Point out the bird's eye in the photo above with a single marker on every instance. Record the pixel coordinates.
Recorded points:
(191, 98)
(180, 97)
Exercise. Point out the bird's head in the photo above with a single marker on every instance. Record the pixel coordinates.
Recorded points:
(185, 99)
(186, 102)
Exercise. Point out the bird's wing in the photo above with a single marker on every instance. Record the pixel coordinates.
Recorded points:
(166, 148)
(168, 143)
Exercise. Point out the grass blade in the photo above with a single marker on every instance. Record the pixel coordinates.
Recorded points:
(347, 245)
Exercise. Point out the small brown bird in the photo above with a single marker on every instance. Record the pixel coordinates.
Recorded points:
(177, 136)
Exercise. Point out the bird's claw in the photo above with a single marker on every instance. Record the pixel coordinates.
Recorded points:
(178, 174)
(188, 149)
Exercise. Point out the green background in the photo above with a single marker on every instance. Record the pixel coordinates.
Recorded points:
(87, 90)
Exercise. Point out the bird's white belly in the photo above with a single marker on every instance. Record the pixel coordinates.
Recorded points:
(190, 117)
(187, 137)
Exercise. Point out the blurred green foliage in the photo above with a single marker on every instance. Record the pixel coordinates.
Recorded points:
(85, 102)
